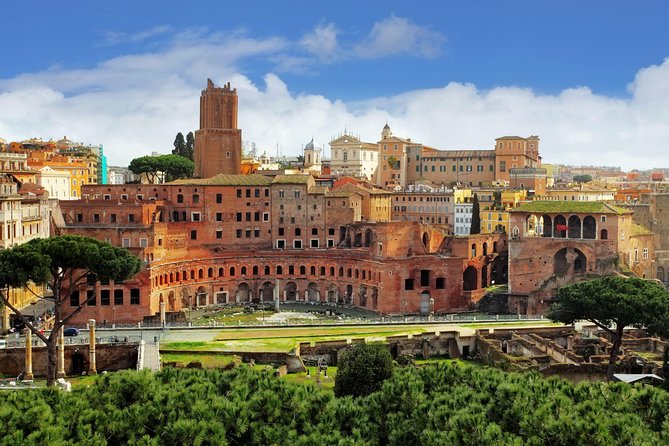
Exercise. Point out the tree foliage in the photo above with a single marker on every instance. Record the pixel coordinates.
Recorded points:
(190, 146)
(613, 303)
(582, 178)
(362, 369)
(64, 263)
(171, 166)
(476, 216)
(445, 404)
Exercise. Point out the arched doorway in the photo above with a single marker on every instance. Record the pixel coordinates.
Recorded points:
(369, 237)
(469, 278)
(569, 259)
(348, 297)
(243, 292)
(267, 293)
(312, 292)
(291, 291)
(574, 227)
(375, 298)
(363, 296)
(560, 227)
(548, 226)
(186, 299)
(660, 274)
(201, 297)
(426, 241)
(604, 234)
(357, 242)
(332, 293)
(171, 301)
(589, 227)
(342, 234)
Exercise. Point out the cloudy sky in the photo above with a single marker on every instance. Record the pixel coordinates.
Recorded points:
(591, 78)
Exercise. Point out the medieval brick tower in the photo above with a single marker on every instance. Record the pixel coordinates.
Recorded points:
(218, 143)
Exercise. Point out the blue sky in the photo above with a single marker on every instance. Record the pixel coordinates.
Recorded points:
(589, 77)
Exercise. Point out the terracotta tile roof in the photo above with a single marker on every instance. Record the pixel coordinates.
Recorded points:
(576, 207)
(291, 179)
(226, 180)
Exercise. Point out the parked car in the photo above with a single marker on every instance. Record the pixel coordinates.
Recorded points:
(71, 332)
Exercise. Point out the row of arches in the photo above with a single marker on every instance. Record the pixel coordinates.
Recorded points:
(560, 226)
(476, 277)
(268, 291)
(185, 275)
(356, 237)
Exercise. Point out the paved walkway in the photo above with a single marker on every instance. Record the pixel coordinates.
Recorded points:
(151, 356)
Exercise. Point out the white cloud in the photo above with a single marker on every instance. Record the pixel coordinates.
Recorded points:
(322, 42)
(115, 37)
(399, 35)
(135, 104)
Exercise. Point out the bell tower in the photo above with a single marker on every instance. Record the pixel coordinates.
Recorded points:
(218, 142)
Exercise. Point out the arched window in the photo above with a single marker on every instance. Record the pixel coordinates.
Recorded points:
(303, 270)
(232, 271)
(604, 234)
(210, 272)
(221, 272)
(322, 271)
(200, 274)
(279, 270)
(312, 270)
(243, 270)
(267, 271)
(345, 155)
(255, 270)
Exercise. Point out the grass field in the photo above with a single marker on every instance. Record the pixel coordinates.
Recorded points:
(208, 360)
(277, 339)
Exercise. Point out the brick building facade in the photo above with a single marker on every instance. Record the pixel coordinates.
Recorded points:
(552, 244)
(234, 238)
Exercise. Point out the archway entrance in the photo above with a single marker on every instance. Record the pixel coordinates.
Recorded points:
(267, 292)
(291, 291)
(243, 292)
(349, 294)
(363, 296)
(569, 260)
(201, 297)
(469, 279)
(313, 293)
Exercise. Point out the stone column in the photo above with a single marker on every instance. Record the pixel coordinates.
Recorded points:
(92, 368)
(28, 371)
(61, 354)
(162, 314)
(276, 296)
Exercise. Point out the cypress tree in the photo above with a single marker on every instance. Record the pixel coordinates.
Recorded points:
(476, 217)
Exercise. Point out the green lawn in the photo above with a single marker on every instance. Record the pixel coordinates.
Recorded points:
(312, 377)
(208, 361)
(278, 339)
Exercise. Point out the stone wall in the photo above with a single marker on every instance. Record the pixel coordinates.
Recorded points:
(108, 358)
